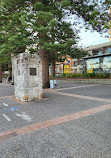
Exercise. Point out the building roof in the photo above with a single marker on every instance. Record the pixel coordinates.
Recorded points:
(98, 46)
(95, 56)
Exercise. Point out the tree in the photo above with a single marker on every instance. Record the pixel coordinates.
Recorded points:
(66, 39)
(27, 22)
(0, 73)
(4, 59)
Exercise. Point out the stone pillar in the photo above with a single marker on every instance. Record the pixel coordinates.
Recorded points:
(28, 77)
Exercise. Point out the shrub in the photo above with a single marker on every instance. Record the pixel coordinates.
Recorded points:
(74, 75)
(100, 75)
(84, 75)
(79, 75)
(92, 74)
(62, 75)
(68, 75)
(50, 76)
(106, 75)
(88, 75)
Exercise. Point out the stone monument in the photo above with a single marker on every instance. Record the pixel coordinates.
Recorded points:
(28, 77)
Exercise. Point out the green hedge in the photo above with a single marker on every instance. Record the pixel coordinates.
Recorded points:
(86, 75)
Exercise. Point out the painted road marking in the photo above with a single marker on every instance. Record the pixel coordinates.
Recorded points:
(11, 96)
(11, 109)
(76, 87)
(7, 118)
(24, 116)
(56, 121)
(5, 104)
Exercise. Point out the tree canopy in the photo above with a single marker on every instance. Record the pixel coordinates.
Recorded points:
(27, 22)
(38, 25)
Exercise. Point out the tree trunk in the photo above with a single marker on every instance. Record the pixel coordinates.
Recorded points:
(10, 72)
(10, 68)
(12, 59)
(53, 69)
(45, 68)
(0, 73)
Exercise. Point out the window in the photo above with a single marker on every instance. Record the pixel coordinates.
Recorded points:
(108, 50)
(80, 62)
(75, 63)
(107, 64)
(100, 52)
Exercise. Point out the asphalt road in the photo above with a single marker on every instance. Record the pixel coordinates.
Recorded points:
(73, 121)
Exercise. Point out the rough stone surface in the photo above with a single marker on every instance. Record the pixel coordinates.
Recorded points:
(28, 77)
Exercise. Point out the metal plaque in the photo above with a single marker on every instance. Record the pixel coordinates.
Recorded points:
(33, 71)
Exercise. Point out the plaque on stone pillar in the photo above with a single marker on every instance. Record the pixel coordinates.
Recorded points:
(33, 71)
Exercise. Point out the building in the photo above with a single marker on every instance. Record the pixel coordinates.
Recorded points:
(59, 67)
(78, 65)
(99, 49)
(99, 58)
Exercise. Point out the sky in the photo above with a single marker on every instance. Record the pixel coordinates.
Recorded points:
(92, 38)
(88, 38)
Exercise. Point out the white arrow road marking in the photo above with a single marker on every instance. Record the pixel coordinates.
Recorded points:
(7, 118)
(5, 104)
(24, 116)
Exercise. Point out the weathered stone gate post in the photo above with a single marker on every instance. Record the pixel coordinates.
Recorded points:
(28, 77)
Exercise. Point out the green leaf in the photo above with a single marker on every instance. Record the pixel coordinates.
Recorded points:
(65, 3)
(53, 23)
